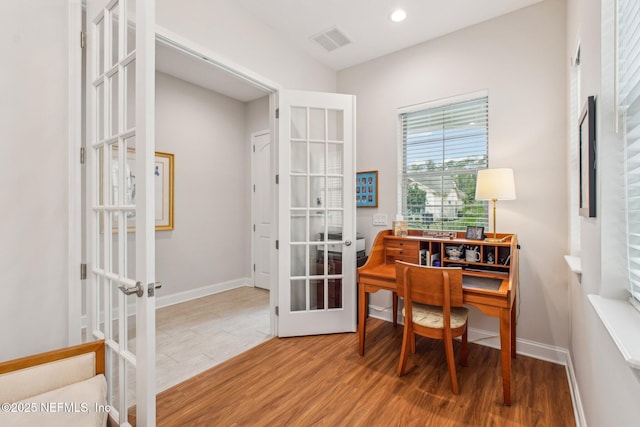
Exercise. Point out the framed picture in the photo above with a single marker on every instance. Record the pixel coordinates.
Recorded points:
(587, 161)
(162, 186)
(475, 233)
(367, 189)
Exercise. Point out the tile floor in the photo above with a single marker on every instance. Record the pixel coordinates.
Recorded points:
(196, 335)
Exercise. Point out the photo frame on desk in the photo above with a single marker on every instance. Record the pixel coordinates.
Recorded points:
(367, 189)
(474, 233)
(587, 161)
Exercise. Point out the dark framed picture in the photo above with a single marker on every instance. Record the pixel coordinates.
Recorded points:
(367, 189)
(475, 233)
(587, 161)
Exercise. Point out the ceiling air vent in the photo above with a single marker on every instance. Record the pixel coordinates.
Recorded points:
(331, 39)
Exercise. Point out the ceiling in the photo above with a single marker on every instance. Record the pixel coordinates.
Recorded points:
(194, 69)
(365, 23)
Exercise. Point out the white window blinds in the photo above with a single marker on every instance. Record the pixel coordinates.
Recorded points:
(442, 149)
(629, 109)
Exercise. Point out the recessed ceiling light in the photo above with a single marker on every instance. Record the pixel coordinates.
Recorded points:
(398, 15)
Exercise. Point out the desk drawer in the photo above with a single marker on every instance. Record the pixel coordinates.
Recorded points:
(413, 259)
(402, 250)
(407, 245)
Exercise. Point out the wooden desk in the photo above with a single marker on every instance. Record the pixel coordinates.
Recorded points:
(500, 301)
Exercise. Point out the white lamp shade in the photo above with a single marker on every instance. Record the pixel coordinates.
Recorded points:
(495, 184)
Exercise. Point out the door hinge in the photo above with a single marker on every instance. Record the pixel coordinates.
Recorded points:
(277, 310)
(277, 113)
(254, 228)
(254, 268)
(277, 244)
(83, 39)
(254, 188)
(82, 155)
(277, 179)
(254, 148)
(83, 271)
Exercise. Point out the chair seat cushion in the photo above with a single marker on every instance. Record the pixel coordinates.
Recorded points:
(431, 316)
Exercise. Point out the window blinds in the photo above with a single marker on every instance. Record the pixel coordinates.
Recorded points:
(629, 109)
(442, 150)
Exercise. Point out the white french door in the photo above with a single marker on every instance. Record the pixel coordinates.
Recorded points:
(121, 240)
(316, 210)
(262, 209)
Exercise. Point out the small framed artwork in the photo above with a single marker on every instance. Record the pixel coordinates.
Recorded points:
(163, 186)
(163, 177)
(475, 233)
(367, 189)
(587, 162)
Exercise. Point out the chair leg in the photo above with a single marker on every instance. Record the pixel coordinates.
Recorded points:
(448, 348)
(465, 350)
(404, 352)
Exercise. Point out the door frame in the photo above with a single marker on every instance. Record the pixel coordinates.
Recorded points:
(271, 89)
(75, 120)
(76, 142)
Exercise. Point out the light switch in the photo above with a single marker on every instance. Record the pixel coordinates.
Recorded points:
(380, 219)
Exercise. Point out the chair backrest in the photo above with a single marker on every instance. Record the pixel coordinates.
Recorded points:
(427, 285)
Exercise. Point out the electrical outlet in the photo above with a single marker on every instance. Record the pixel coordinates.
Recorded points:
(380, 219)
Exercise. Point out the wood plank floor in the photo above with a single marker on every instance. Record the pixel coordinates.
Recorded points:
(321, 380)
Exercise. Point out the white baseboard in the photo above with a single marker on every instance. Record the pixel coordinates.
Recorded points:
(525, 347)
(184, 296)
(492, 339)
(578, 410)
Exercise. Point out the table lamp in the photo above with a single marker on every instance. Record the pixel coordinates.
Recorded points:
(494, 185)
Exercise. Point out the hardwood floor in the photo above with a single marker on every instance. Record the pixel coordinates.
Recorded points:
(321, 380)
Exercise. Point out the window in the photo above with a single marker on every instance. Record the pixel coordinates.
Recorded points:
(443, 147)
(629, 109)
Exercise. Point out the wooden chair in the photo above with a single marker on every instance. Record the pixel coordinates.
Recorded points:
(432, 308)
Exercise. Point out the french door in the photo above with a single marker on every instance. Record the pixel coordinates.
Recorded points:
(120, 200)
(316, 213)
(262, 209)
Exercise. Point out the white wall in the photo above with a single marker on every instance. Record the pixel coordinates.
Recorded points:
(608, 389)
(520, 59)
(33, 170)
(257, 116)
(206, 131)
(33, 79)
(225, 29)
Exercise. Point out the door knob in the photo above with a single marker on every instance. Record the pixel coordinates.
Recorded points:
(137, 289)
(347, 242)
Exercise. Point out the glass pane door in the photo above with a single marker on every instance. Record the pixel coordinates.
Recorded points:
(316, 196)
(120, 148)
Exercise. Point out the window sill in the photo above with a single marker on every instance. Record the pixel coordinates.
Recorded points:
(622, 321)
(574, 262)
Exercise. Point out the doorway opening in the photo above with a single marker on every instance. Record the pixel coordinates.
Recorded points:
(211, 117)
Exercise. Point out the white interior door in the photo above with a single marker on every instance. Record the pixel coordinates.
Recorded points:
(262, 208)
(120, 217)
(316, 213)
